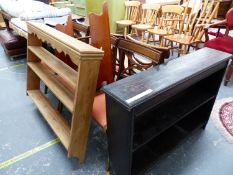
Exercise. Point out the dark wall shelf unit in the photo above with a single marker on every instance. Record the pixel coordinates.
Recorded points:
(151, 112)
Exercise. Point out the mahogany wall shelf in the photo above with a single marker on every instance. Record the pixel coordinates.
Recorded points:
(151, 112)
(75, 89)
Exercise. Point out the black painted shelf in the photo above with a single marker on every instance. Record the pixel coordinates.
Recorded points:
(182, 94)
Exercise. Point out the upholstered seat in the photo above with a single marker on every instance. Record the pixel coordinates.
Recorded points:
(224, 44)
(99, 110)
(13, 45)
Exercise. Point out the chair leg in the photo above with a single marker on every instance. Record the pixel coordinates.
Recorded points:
(185, 49)
(153, 39)
(125, 31)
(179, 50)
(148, 38)
(45, 89)
(229, 74)
(143, 33)
(172, 48)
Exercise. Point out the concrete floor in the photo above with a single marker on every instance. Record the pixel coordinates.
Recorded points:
(22, 128)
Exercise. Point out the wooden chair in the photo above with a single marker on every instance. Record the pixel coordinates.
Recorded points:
(169, 22)
(137, 56)
(132, 53)
(149, 19)
(131, 14)
(194, 30)
(224, 43)
(69, 30)
(115, 55)
(164, 50)
(100, 36)
(82, 29)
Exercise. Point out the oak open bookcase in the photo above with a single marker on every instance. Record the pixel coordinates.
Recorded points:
(75, 89)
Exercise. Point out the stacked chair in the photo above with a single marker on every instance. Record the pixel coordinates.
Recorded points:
(131, 15)
(194, 29)
(177, 27)
(149, 19)
(169, 23)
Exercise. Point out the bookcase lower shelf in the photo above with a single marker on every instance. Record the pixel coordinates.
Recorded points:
(148, 154)
(52, 116)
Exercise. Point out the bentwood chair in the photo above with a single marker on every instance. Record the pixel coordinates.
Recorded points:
(224, 43)
(131, 14)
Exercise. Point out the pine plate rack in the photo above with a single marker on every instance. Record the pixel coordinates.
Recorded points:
(74, 88)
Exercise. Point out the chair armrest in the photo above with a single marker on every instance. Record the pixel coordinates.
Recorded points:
(218, 24)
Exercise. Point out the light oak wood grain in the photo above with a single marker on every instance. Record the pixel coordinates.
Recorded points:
(52, 116)
(75, 89)
(56, 64)
(84, 98)
(59, 90)
(33, 81)
(63, 43)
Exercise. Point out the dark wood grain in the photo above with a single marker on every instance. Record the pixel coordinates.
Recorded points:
(183, 94)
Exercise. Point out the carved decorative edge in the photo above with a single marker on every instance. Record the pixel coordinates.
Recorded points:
(62, 47)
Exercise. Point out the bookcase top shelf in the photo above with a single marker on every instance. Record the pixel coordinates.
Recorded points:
(135, 90)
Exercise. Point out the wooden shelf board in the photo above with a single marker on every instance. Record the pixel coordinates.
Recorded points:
(177, 111)
(53, 83)
(52, 116)
(166, 142)
(62, 69)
